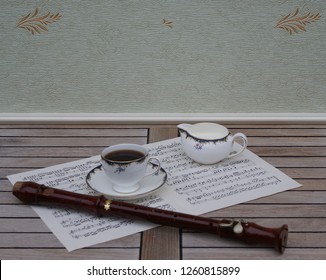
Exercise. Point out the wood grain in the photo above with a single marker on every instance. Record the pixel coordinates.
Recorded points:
(162, 242)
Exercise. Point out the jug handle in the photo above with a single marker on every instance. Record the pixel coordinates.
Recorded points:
(244, 143)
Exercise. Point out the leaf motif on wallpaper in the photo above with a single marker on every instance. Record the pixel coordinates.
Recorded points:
(293, 22)
(167, 23)
(35, 23)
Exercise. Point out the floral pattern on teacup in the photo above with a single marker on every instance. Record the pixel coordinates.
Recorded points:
(198, 146)
(119, 169)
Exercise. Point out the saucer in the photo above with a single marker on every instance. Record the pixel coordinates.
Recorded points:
(98, 181)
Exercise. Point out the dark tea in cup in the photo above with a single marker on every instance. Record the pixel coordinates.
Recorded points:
(124, 155)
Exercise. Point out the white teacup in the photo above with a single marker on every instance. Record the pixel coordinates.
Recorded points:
(126, 164)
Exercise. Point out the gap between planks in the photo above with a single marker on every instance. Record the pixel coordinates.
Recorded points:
(163, 242)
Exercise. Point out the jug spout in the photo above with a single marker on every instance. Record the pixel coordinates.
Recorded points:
(184, 127)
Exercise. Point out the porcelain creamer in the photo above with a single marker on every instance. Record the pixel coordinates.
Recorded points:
(209, 143)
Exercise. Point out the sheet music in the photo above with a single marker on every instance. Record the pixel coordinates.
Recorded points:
(198, 189)
(79, 229)
(191, 188)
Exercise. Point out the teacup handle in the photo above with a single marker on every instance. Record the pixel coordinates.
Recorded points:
(158, 165)
(244, 141)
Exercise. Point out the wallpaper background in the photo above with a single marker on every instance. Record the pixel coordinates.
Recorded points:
(182, 56)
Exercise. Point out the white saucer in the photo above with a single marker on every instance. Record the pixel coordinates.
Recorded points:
(98, 181)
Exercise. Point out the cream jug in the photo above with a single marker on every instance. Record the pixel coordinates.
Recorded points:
(209, 143)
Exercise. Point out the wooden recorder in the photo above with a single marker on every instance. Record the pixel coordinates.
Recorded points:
(33, 193)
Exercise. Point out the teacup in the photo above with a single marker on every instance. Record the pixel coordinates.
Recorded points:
(126, 164)
(209, 143)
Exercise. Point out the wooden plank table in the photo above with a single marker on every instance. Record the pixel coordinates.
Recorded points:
(297, 150)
